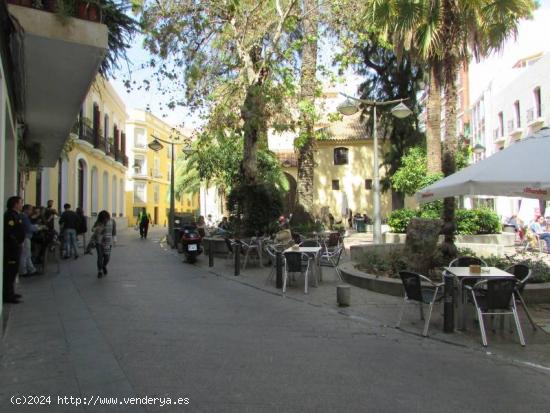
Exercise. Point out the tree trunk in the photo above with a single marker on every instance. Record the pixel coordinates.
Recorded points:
(252, 114)
(449, 152)
(433, 126)
(308, 84)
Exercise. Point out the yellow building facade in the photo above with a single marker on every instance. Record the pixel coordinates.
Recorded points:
(91, 171)
(148, 177)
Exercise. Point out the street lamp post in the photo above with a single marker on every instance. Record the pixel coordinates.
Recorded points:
(350, 107)
(156, 145)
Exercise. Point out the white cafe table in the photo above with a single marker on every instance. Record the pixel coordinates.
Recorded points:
(463, 273)
(315, 252)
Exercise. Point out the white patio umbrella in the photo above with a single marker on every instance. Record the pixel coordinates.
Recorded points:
(522, 169)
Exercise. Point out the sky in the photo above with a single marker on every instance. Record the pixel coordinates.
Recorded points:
(533, 38)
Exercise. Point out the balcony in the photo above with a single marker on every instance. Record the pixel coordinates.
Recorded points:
(54, 69)
(532, 121)
(287, 159)
(155, 173)
(514, 131)
(498, 136)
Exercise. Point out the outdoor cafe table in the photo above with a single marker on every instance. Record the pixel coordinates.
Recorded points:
(463, 273)
(316, 253)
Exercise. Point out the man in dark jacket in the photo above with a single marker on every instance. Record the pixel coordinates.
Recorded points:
(14, 235)
(70, 221)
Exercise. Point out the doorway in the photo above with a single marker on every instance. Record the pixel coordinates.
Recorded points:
(156, 216)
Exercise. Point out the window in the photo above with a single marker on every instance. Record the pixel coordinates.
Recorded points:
(335, 184)
(368, 184)
(139, 165)
(136, 211)
(156, 193)
(500, 124)
(538, 106)
(340, 156)
(518, 114)
(140, 193)
(156, 168)
(139, 138)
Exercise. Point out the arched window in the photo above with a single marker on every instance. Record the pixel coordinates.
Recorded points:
(114, 196)
(121, 199)
(105, 191)
(340, 156)
(81, 183)
(94, 191)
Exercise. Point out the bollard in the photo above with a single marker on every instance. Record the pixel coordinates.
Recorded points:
(343, 295)
(448, 305)
(279, 270)
(210, 254)
(237, 248)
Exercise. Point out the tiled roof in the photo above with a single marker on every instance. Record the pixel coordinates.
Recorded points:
(349, 128)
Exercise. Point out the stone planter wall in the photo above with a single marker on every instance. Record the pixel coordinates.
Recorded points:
(505, 239)
(356, 251)
(533, 293)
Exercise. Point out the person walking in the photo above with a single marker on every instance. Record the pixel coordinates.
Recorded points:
(26, 266)
(143, 221)
(104, 232)
(69, 221)
(14, 235)
(82, 225)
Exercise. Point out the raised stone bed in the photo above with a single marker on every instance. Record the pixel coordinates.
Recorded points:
(505, 239)
(533, 293)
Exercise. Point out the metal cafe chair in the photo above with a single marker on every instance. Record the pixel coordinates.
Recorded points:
(495, 297)
(330, 257)
(522, 273)
(416, 293)
(272, 254)
(294, 262)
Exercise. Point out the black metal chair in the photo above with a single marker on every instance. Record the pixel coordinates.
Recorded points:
(415, 292)
(294, 262)
(330, 257)
(495, 297)
(466, 261)
(522, 273)
(310, 243)
(272, 254)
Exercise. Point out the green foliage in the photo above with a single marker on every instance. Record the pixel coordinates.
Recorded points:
(399, 219)
(387, 265)
(540, 269)
(216, 159)
(413, 174)
(258, 205)
(468, 221)
(477, 221)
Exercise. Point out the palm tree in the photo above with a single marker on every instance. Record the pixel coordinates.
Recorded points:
(445, 34)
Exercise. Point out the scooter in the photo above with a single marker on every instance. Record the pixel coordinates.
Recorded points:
(191, 243)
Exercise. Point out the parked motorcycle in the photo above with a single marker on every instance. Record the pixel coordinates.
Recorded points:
(191, 243)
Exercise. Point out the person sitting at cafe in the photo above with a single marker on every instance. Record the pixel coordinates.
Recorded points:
(283, 236)
(538, 227)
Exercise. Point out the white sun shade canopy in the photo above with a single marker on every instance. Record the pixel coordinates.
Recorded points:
(521, 169)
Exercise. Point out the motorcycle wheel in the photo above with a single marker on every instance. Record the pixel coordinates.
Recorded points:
(191, 258)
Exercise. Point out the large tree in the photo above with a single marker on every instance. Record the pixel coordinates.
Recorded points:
(445, 33)
(233, 59)
(388, 77)
(308, 85)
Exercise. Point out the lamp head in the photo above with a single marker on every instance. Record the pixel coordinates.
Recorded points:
(478, 148)
(348, 107)
(156, 145)
(401, 111)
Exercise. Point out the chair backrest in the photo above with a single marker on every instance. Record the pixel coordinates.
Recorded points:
(498, 292)
(466, 261)
(333, 239)
(521, 272)
(412, 285)
(228, 244)
(293, 261)
(309, 243)
(270, 249)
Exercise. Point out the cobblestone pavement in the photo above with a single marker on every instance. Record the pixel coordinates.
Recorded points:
(161, 328)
